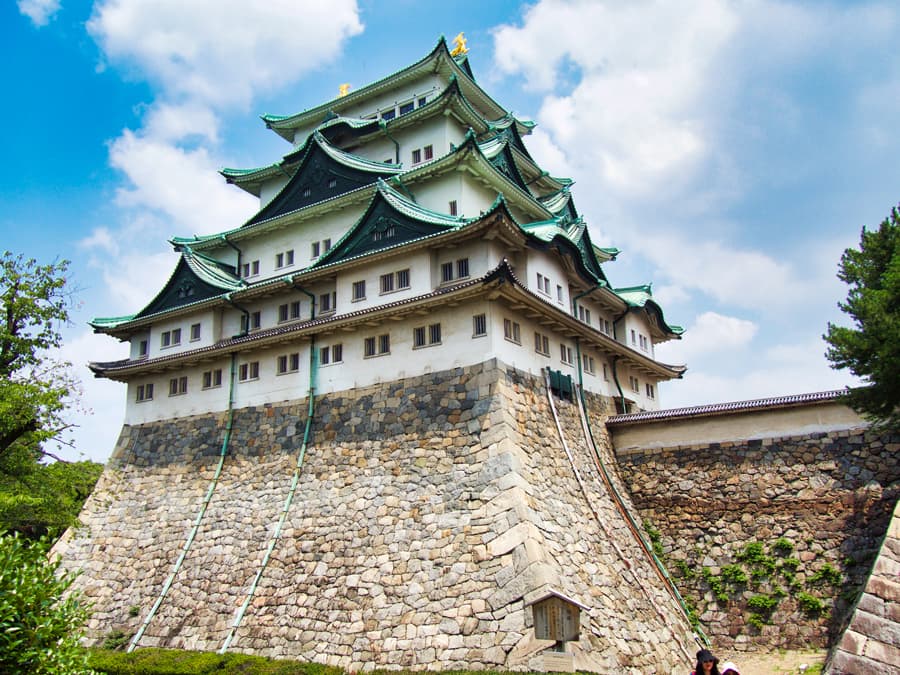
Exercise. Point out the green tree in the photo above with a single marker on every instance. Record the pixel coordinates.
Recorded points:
(40, 624)
(35, 391)
(871, 348)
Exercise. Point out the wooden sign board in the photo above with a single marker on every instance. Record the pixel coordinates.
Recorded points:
(556, 619)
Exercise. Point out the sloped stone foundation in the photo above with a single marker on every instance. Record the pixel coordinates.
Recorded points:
(427, 515)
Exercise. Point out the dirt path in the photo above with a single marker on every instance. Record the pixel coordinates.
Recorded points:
(776, 663)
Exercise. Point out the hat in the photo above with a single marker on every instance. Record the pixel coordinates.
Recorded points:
(729, 665)
(706, 655)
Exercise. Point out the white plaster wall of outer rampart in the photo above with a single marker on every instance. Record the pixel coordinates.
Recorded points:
(748, 425)
(419, 531)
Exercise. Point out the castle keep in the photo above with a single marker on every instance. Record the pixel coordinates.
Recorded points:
(367, 427)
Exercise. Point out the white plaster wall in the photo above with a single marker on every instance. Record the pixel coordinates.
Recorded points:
(270, 188)
(538, 262)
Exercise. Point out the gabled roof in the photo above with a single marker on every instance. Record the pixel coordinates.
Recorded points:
(641, 297)
(574, 238)
(196, 278)
(437, 61)
(323, 171)
(560, 203)
(390, 220)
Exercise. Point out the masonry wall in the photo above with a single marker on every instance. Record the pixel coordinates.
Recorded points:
(428, 514)
(827, 494)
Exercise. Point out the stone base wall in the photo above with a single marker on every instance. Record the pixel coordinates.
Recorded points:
(428, 514)
(818, 503)
(871, 643)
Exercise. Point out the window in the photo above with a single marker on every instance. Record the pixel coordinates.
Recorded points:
(651, 391)
(328, 302)
(422, 100)
(359, 290)
(446, 272)
(332, 354)
(289, 311)
(252, 321)
(462, 268)
(212, 378)
(542, 344)
(543, 284)
(633, 338)
(584, 314)
(288, 363)
(389, 114)
(251, 269)
(559, 293)
(170, 338)
(142, 348)
(453, 208)
(332, 183)
(377, 346)
(394, 281)
(606, 372)
(406, 107)
(326, 244)
(285, 259)
(144, 392)
(511, 331)
(316, 249)
(307, 192)
(644, 342)
(587, 362)
(605, 327)
(195, 331)
(387, 282)
(479, 325)
(565, 354)
(428, 151)
(417, 156)
(426, 337)
(248, 371)
(178, 386)
(635, 384)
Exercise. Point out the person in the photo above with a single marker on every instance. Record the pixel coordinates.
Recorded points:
(707, 664)
(728, 668)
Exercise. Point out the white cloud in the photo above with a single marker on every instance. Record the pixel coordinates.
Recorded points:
(173, 123)
(100, 239)
(710, 333)
(101, 407)
(791, 368)
(222, 52)
(182, 184)
(633, 115)
(39, 11)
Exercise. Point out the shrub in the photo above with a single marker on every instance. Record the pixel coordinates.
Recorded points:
(153, 661)
(826, 575)
(783, 546)
(40, 626)
(810, 604)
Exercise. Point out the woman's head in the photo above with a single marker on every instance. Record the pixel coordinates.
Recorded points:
(706, 663)
(728, 668)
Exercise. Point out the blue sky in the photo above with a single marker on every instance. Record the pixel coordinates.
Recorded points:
(732, 150)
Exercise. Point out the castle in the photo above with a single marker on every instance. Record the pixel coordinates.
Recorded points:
(367, 427)
(408, 230)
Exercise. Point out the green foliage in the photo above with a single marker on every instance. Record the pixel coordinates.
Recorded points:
(39, 627)
(870, 348)
(686, 571)
(116, 640)
(152, 661)
(734, 575)
(810, 604)
(33, 390)
(45, 499)
(826, 575)
(655, 539)
(783, 546)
